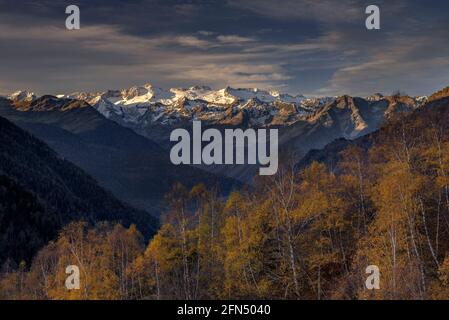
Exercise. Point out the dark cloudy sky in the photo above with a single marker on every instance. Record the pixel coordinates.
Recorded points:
(311, 47)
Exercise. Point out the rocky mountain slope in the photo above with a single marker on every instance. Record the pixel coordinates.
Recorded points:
(433, 113)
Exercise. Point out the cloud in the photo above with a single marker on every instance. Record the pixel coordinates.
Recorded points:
(234, 39)
(95, 56)
(406, 62)
(323, 11)
(305, 46)
(206, 33)
(239, 74)
(192, 41)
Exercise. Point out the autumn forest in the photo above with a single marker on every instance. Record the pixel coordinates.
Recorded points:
(309, 232)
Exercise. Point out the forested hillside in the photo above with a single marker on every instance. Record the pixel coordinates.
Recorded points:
(302, 234)
(24, 225)
(40, 192)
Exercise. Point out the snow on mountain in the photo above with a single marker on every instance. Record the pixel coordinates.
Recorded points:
(375, 97)
(22, 95)
(421, 100)
(156, 105)
(304, 123)
(145, 107)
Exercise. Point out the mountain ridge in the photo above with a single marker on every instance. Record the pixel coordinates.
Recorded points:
(437, 103)
(303, 123)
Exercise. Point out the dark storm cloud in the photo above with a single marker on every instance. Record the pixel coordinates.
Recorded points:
(312, 47)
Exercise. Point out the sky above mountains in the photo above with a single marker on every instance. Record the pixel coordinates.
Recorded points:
(309, 47)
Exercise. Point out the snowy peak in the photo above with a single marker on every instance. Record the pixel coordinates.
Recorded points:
(143, 94)
(375, 97)
(262, 95)
(148, 94)
(22, 96)
(49, 103)
(148, 103)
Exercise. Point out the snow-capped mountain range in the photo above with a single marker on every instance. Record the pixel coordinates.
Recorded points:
(304, 123)
(151, 105)
(148, 105)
